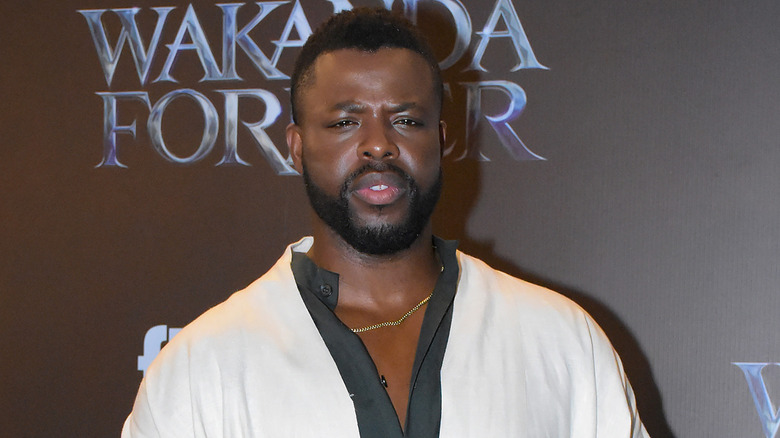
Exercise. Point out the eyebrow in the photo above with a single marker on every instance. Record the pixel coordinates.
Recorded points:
(349, 107)
(402, 107)
(356, 108)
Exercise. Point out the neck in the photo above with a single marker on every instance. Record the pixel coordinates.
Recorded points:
(371, 279)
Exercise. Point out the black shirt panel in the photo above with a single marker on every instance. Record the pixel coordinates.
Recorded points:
(321, 283)
(376, 416)
(423, 415)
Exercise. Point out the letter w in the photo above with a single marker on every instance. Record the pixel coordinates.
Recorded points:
(108, 56)
(770, 418)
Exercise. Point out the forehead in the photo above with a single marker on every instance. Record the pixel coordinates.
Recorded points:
(388, 73)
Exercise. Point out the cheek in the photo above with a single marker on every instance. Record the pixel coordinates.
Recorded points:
(329, 164)
(425, 161)
(339, 153)
(326, 164)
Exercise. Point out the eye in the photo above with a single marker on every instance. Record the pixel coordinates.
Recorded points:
(343, 123)
(408, 122)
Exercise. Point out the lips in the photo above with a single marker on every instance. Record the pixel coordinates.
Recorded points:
(379, 188)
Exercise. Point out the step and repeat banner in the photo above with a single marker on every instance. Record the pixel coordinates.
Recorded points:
(625, 154)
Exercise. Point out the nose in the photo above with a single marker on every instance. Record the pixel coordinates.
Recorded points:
(377, 143)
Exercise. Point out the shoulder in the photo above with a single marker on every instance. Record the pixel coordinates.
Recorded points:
(493, 302)
(479, 281)
(266, 311)
(530, 346)
(210, 356)
(265, 304)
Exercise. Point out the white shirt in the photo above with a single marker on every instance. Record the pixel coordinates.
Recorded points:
(521, 361)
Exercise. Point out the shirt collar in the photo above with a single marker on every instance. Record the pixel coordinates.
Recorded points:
(324, 284)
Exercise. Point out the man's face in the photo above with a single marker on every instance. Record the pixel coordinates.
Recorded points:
(368, 144)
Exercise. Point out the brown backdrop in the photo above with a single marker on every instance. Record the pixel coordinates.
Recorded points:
(655, 207)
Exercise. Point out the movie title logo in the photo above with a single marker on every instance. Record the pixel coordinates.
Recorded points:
(767, 414)
(246, 55)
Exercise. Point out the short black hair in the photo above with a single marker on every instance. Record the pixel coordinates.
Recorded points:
(362, 29)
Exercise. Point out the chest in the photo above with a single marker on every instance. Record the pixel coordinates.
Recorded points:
(393, 351)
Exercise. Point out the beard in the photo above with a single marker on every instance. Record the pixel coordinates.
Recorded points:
(380, 239)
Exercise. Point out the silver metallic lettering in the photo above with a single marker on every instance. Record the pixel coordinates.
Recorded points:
(462, 25)
(500, 122)
(191, 26)
(341, 5)
(769, 417)
(190, 36)
(504, 9)
(272, 111)
(210, 126)
(298, 21)
(229, 11)
(110, 127)
(231, 37)
(109, 57)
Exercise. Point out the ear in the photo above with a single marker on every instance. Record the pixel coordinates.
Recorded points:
(442, 137)
(295, 144)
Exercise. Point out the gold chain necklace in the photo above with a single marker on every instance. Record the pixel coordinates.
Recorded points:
(396, 322)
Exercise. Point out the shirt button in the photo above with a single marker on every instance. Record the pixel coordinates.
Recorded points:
(326, 290)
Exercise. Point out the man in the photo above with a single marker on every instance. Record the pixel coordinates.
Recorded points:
(374, 327)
